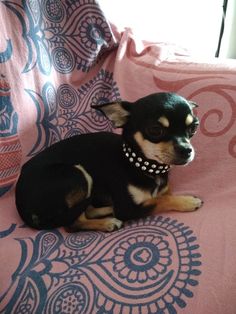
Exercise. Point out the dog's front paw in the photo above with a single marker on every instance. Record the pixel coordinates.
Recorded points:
(198, 202)
(189, 203)
(182, 203)
(112, 224)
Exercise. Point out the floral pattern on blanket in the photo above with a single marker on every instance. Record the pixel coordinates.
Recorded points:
(66, 35)
(65, 111)
(7, 232)
(10, 147)
(56, 39)
(6, 55)
(161, 265)
(157, 260)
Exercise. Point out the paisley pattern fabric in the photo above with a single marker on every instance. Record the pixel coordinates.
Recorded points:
(57, 58)
(133, 270)
(57, 38)
(64, 35)
(10, 147)
(58, 113)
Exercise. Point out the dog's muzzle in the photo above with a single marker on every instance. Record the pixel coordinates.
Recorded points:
(184, 152)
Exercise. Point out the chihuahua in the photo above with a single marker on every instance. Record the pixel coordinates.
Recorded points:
(97, 181)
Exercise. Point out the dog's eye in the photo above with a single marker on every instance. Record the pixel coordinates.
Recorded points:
(192, 129)
(155, 132)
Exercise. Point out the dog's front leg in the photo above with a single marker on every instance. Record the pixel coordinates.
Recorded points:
(183, 203)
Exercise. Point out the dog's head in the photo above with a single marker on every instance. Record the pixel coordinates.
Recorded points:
(159, 126)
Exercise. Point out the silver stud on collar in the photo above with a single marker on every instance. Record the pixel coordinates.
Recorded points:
(149, 166)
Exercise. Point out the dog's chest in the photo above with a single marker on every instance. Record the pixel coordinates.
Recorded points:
(142, 194)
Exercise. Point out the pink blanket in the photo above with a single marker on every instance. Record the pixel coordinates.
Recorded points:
(56, 59)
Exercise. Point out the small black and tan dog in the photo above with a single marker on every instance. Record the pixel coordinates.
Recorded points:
(97, 181)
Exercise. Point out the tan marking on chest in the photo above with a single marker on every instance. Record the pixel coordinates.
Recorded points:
(163, 191)
(139, 195)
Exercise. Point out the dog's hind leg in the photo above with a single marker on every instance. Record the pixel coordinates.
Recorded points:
(93, 212)
(103, 224)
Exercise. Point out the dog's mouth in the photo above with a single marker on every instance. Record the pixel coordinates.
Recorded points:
(161, 161)
(175, 155)
(181, 161)
(175, 158)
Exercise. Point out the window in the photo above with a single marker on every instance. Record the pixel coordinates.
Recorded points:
(192, 24)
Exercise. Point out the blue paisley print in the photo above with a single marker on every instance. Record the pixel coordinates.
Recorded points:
(10, 147)
(6, 55)
(8, 116)
(149, 266)
(7, 232)
(66, 35)
(65, 111)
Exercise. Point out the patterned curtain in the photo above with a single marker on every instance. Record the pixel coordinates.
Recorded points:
(51, 56)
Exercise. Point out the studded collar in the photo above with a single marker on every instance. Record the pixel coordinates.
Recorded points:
(149, 166)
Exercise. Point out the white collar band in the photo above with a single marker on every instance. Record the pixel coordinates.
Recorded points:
(150, 167)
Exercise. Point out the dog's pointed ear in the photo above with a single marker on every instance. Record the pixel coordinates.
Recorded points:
(117, 112)
(192, 104)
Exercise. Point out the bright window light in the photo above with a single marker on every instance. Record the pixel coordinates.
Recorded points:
(192, 24)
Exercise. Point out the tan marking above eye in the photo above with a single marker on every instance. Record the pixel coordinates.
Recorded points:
(164, 121)
(189, 119)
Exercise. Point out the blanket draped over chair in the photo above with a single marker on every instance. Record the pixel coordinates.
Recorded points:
(57, 58)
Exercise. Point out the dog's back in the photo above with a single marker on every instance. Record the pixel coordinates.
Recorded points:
(45, 187)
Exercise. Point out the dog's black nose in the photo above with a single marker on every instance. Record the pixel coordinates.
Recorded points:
(183, 151)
